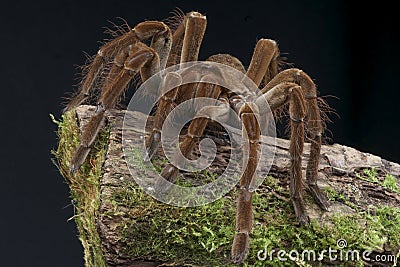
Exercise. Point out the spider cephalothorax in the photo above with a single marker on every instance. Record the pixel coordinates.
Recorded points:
(128, 54)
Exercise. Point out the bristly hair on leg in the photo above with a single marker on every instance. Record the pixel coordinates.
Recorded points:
(281, 115)
(175, 20)
(325, 111)
(281, 64)
(79, 77)
(117, 30)
(90, 97)
(133, 85)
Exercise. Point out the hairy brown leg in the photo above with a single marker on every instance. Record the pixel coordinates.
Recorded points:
(244, 217)
(297, 111)
(263, 61)
(197, 126)
(273, 68)
(177, 41)
(263, 65)
(276, 97)
(161, 43)
(166, 104)
(314, 126)
(139, 55)
(195, 131)
(194, 25)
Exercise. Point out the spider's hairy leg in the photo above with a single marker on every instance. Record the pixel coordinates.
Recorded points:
(218, 112)
(176, 49)
(195, 130)
(263, 61)
(273, 68)
(315, 129)
(87, 139)
(314, 122)
(187, 38)
(161, 43)
(297, 111)
(166, 104)
(105, 52)
(244, 217)
(195, 26)
(138, 56)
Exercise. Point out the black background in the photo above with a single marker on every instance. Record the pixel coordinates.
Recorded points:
(352, 53)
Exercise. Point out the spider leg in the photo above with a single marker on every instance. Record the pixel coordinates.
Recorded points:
(263, 61)
(282, 93)
(263, 65)
(244, 217)
(187, 38)
(197, 126)
(194, 25)
(161, 43)
(134, 60)
(195, 131)
(166, 104)
(177, 41)
(314, 126)
(297, 111)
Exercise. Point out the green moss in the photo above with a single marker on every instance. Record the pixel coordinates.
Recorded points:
(202, 236)
(389, 181)
(84, 185)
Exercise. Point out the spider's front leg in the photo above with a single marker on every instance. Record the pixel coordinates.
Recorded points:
(244, 218)
(210, 111)
(161, 43)
(130, 62)
(189, 39)
(195, 131)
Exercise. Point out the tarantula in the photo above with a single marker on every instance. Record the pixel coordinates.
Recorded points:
(129, 55)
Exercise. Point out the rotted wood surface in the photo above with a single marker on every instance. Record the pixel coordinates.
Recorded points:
(339, 167)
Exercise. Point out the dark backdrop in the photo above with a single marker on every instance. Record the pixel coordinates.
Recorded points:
(351, 53)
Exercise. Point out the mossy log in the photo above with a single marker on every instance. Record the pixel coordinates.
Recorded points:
(120, 225)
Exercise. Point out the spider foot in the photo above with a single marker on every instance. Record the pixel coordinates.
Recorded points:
(319, 197)
(170, 174)
(300, 211)
(78, 158)
(76, 101)
(152, 145)
(240, 247)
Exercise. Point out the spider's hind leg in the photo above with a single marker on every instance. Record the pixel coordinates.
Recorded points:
(313, 122)
(297, 112)
(314, 129)
(188, 36)
(279, 95)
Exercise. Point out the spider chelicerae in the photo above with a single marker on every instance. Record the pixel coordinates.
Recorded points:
(152, 46)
